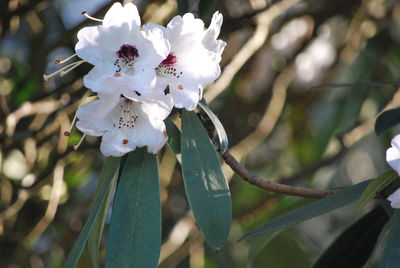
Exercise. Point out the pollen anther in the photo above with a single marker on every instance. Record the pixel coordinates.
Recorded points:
(125, 141)
(180, 87)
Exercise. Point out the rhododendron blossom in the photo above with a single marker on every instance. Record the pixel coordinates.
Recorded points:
(194, 57)
(124, 57)
(140, 74)
(125, 124)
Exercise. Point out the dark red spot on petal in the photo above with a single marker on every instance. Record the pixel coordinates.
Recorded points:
(169, 61)
(128, 52)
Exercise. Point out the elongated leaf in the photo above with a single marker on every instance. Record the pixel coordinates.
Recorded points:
(110, 167)
(95, 235)
(354, 246)
(376, 185)
(386, 120)
(338, 200)
(222, 137)
(174, 138)
(205, 184)
(391, 254)
(134, 238)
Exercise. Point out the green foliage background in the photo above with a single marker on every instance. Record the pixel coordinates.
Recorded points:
(302, 83)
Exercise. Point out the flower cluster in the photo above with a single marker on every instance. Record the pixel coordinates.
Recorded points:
(141, 73)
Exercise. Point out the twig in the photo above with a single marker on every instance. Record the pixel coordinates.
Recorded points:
(52, 206)
(270, 185)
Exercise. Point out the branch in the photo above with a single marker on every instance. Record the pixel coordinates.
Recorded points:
(270, 185)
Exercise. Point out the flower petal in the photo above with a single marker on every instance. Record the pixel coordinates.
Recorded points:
(151, 134)
(159, 107)
(112, 145)
(393, 154)
(394, 199)
(153, 47)
(94, 116)
(98, 44)
(102, 80)
(187, 98)
(118, 15)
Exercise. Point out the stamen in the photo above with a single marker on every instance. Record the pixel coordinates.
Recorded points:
(64, 60)
(62, 71)
(125, 141)
(80, 142)
(180, 87)
(117, 74)
(68, 132)
(84, 13)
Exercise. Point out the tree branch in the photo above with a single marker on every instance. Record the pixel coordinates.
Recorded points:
(270, 185)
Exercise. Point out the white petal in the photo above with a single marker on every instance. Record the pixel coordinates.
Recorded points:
(98, 44)
(393, 154)
(112, 145)
(396, 142)
(94, 79)
(191, 24)
(151, 134)
(215, 26)
(141, 82)
(118, 15)
(194, 64)
(394, 199)
(146, 95)
(187, 98)
(153, 48)
(159, 107)
(94, 116)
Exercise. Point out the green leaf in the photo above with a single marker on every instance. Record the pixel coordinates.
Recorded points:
(386, 120)
(205, 184)
(257, 244)
(94, 240)
(317, 208)
(110, 167)
(376, 185)
(391, 253)
(174, 138)
(355, 245)
(222, 137)
(134, 238)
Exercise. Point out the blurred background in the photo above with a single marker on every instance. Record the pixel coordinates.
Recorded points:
(301, 85)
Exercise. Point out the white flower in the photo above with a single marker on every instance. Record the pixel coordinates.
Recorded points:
(393, 154)
(124, 57)
(394, 199)
(125, 124)
(194, 57)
